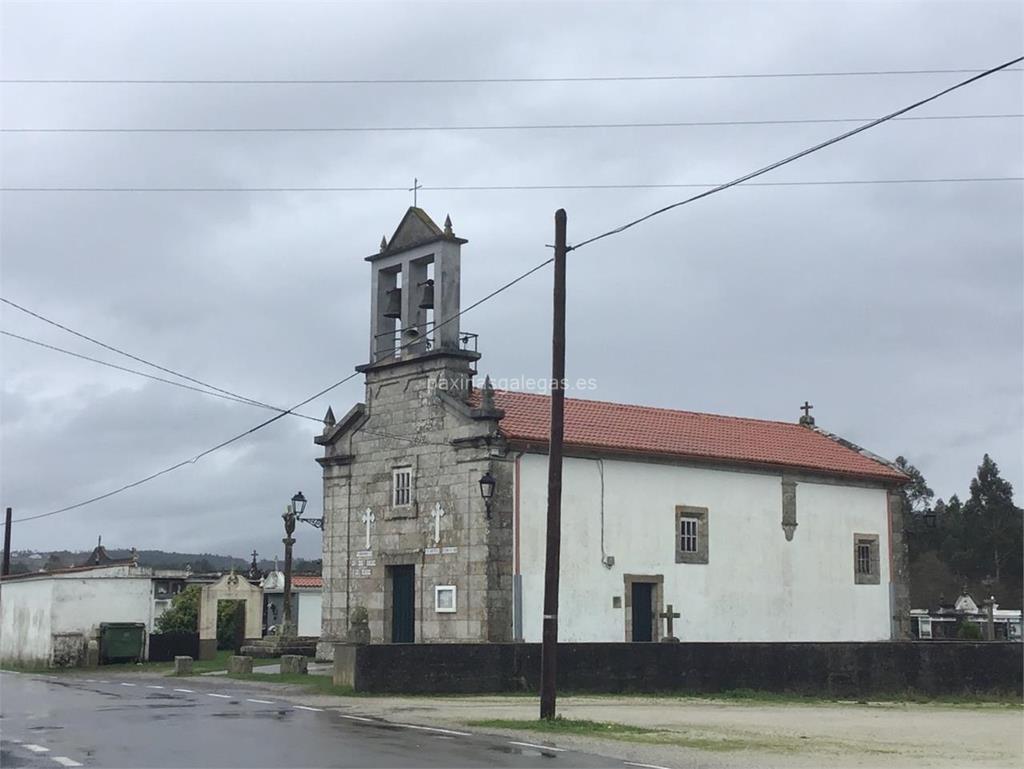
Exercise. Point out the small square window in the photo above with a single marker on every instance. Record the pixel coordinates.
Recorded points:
(444, 599)
(691, 534)
(865, 560)
(401, 486)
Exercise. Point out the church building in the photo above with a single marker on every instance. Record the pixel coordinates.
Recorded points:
(435, 497)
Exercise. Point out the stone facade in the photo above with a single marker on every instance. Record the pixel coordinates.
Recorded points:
(417, 415)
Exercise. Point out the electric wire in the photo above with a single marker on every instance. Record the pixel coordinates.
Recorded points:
(483, 80)
(801, 154)
(119, 351)
(439, 128)
(245, 401)
(523, 276)
(271, 420)
(520, 187)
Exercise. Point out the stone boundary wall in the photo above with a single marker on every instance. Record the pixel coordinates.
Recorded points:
(821, 669)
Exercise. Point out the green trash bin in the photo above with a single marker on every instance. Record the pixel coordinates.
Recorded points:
(122, 642)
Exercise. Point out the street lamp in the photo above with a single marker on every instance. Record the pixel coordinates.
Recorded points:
(487, 484)
(299, 506)
(290, 515)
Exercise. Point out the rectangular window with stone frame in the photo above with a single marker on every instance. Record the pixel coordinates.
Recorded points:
(866, 569)
(691, 534)
(401, 486)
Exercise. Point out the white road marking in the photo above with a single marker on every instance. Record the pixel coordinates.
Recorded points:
(90, 680)
(304, 707)
(261, 702)
(538, 747)
(356, 718)
(645, 766)
(17, 742)
(222, 696)
(65, 761)
(435, 729)
(37, 748)
(153, 686)
(187, 691)
(124, 684)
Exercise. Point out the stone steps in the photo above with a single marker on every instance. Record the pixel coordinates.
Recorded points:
(275, 646)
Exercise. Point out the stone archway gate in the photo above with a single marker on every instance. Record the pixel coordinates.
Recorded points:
(230, 587)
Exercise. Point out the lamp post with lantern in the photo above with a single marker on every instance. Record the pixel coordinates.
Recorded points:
(292, 513)
(487, 484)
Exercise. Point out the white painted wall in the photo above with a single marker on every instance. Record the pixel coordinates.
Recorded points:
(33, 609)
(756, 586)
(310, 605)
(25, 633)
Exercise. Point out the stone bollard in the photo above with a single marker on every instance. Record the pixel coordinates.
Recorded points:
(92, 654)
(182, 666)
(239, 664)
(293, 663)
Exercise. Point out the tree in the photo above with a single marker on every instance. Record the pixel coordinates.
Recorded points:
(992, 523)
(183, 613)
(917, 495)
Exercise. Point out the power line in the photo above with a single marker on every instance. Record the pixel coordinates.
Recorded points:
(802, 153)
(119, 351)
(482, 80)
(276, 417)
(245, 401)
(519, 187)
(510, 127)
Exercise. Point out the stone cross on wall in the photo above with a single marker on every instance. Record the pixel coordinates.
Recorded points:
(436, 513)
(369, 519)
(668, 615)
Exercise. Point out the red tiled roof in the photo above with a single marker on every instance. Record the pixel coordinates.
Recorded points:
(305, 580)
(665, 432)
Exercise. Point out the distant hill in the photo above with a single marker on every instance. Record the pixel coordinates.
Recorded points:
(25, 561)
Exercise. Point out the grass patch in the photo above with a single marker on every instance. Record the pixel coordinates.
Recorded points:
(317, 684)
(639, 734)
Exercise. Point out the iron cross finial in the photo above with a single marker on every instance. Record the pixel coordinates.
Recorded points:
(806, 408)
(416, 187)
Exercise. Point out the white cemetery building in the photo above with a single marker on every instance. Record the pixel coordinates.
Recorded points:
(752, 530)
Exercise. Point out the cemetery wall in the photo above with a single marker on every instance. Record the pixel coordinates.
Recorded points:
(843, 670)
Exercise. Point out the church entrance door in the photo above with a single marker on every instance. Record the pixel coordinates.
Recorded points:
(643, 611)
(403, 603)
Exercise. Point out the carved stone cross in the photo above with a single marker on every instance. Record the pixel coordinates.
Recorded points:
(668, 615)
(369, 519)
(436, 514)
(806, 408)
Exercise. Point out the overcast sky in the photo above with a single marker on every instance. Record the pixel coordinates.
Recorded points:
(895, 309)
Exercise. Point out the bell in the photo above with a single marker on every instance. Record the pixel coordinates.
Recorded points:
(427, 295)
(393, 306)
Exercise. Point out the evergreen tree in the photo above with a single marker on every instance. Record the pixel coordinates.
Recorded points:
(992, 523)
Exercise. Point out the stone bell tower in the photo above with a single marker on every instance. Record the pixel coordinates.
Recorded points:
(410, 546)
(414, 294)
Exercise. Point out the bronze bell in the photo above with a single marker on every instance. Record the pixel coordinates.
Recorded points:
(427, 295)
(393, 305)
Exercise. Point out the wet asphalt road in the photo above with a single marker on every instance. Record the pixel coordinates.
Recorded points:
(159, 722)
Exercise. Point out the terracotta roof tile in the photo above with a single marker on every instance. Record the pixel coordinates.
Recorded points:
(665, 432)
(306, 580)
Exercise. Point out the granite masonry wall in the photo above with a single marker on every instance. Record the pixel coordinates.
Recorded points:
(410, 420)
(825, 669)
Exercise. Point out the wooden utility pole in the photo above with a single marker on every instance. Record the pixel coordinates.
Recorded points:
(549, 646)
(7, 543)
